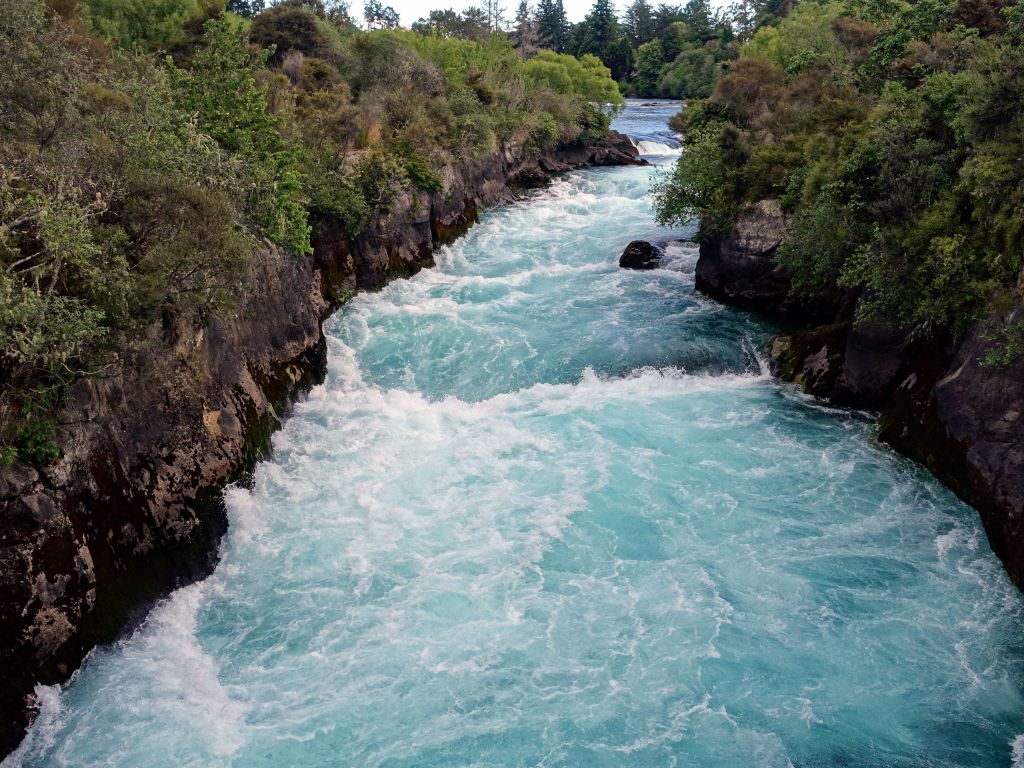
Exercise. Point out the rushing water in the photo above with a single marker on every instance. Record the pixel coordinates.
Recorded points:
(546, 512)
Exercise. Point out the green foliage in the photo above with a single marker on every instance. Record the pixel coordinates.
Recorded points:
(892, 134)
(35, 438)
(586, 77)
(286, 28)
(802, 37)
(135, 187)
(691, 75)
(702, 183)
(221, 89)
(151, 23)
(552, 25)
(680, 49)
(1006, 345)
(650, 58)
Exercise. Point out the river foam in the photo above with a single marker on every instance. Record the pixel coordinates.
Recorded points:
(545, 511)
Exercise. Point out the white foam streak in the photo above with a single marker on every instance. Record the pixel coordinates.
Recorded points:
(657, 148)
(43, 734)
(1017, 752)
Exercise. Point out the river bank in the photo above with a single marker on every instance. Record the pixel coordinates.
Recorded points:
(133, 509)
(940, 403)
(547, 510)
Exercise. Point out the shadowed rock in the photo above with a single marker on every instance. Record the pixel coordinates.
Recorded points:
(939, 404)
(640, 254)
(132, 508)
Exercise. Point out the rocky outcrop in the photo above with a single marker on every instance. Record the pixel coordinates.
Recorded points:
(615, 149)
(845, 363)
(640, 254)
(738, 267)
(963, 420)
(132, 508)
(938, 403)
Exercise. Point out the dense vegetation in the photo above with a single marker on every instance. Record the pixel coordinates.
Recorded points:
(892, 134)
(669, 51)
(149, 148)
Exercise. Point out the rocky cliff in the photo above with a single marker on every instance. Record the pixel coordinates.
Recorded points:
(132, 508)
(939, 403)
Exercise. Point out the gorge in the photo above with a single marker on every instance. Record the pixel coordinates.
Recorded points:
(546, 511)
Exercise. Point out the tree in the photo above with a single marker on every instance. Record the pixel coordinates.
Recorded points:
(471, 24)
(552, 25)
(247, 8)
(599, 29)
(494, 10)
(666, 15)
(445, 23)
(674, 38)
(585, 76)
(639, 23)
(222, 91)
(155, 23)
(524, 34)
(339, 13)
(702, 20)
(288, 27)
(380, 16)
(601, 35)
(649, 62)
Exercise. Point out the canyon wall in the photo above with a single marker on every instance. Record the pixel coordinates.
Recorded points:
(939, 403)
(133, 509)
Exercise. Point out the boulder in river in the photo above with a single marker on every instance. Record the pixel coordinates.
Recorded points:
(640, 254)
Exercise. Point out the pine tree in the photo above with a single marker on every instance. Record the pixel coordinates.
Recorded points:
(552, 25)
(639, 23)
(524, 34)
(701, 18)
(494, 10)
(598, 30)
(379, 16)
(247, 8)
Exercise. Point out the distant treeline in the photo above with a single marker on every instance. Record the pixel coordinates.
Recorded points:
(669, 51)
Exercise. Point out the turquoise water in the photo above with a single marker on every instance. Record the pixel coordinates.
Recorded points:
(545, 512)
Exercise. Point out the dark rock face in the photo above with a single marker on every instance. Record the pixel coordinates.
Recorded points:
(739, 267)
(939, 405)
(640, 254)
(845, 363)
(616, 149)
(963, 421)
(132, 508)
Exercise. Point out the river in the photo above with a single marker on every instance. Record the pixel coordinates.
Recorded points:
(547, 512)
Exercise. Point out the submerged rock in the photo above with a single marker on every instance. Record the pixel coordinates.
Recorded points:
(640, 254)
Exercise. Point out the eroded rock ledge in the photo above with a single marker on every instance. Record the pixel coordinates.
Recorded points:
(132, 508)
(939, 404)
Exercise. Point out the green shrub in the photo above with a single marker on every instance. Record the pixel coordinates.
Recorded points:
(892, 135)
(135, 186)
(221, 89)
(151, 23)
